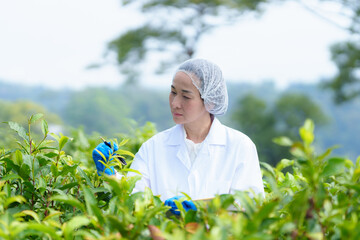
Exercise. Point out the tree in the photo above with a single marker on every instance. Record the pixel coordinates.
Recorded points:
(346, 55)
(255, 119)
(175, 27)
(291, 110)
(346, 83)
(262, 122)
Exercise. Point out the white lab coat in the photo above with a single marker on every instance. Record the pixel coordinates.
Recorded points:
(227, 161)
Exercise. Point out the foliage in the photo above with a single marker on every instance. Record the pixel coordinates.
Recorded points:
(186, 22)
(346, 83)
(346, 54)
(46, 194)
(262, 121)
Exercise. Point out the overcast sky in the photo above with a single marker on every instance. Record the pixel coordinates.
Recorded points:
(50, 43)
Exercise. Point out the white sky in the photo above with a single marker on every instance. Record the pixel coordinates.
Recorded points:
(50, 42)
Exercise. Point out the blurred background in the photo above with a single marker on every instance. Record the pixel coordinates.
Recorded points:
(105, 67)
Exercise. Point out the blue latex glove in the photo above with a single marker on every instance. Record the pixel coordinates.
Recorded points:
(106, 151)
(187, 204)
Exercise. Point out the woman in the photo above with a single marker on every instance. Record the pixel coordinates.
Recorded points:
(199, 155)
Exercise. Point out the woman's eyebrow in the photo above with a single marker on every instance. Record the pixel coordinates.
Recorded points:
(186, 91)
(183, 90)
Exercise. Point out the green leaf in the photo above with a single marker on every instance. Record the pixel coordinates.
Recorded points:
(74, 223)
(19, 129)
(10, 177)
(35, 117)
(66, 169)
(123, 142)
(246, 202)
(54, 170)
(63, 140)
(55, 136)
(91, 204)
(10, 200)
(43, 229)
(114, 183)
(267, 167)
(24, 171)
(30, 213)
(307, 131)
(44, 127)
(84, 176)
(333, 166)
(130, 170)
(69, 185)
(18, 158)
(283, 141)
(68, 199)
(101, 154)
(326, 153)
(51, 154)
(284, 163)
(52, 214)
(45, 145)
(266, 210)
(124, 152)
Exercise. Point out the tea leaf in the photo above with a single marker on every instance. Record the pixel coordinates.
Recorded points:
(57, 138)
(53, 214)
(130, 170)
(91, 204)
(35, 117)
(10, 200)
(74, 223)
(63, 140)
(284, 163)
(30, 213)
(307, 131)
(43, 229)
(18, 158)
(84, 176)
(10, 177)
(124, 152)
(68, 199)
(19, 129)
(333, 166)
(123, 142)
(44, 127)
(283, 141)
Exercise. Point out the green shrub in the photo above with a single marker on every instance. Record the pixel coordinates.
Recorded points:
(46, 193)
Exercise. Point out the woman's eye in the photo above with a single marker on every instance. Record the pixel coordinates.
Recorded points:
(172, 92)
(186, 97)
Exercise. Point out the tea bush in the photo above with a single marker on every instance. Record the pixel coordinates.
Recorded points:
(46, 193)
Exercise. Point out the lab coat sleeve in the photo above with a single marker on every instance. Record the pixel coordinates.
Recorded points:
(248, 174)
(140, 164)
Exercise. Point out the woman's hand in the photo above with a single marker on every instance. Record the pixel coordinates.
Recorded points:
(106, 150)
(187, 204)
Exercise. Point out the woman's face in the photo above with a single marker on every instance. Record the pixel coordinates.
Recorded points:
(185, 102)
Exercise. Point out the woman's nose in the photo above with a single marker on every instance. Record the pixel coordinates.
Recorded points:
(175, 103)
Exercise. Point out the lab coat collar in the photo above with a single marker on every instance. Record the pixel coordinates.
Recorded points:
(216, 135)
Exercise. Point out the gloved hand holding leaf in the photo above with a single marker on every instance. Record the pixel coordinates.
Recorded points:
(101, 155)
(187, 205)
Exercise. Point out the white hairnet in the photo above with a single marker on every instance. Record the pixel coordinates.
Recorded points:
(207, 78)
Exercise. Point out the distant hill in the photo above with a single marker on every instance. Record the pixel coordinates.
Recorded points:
(143, 105)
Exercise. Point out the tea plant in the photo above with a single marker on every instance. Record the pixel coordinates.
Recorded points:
(46, 193)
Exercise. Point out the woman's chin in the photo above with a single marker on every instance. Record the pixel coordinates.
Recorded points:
(177, 120)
